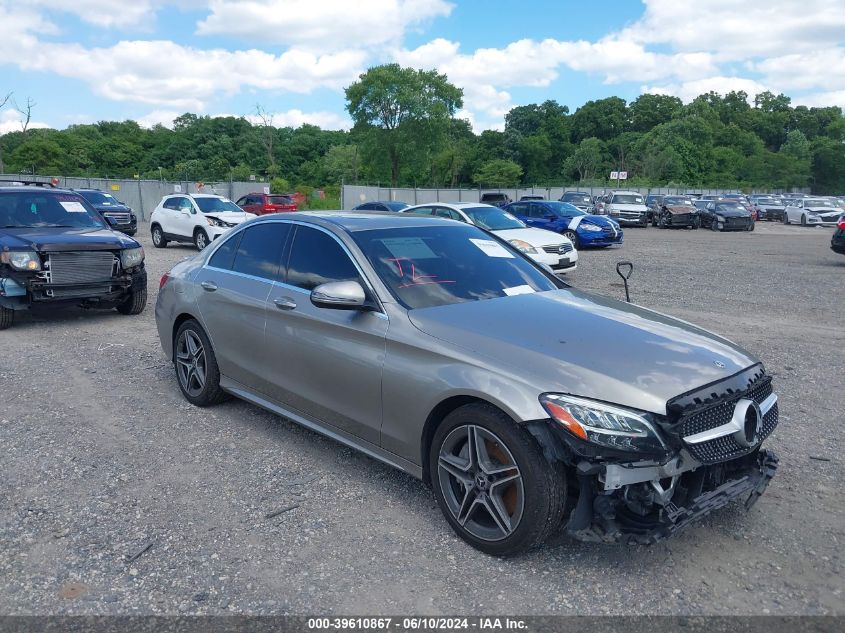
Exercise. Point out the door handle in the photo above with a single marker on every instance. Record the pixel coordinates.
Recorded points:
(284, 303)
(210, 286)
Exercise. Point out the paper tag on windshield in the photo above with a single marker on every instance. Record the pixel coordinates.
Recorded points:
(73, 207)
(524, 289)
(491, 248)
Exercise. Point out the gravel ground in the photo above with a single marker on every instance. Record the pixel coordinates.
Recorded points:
(120, 498)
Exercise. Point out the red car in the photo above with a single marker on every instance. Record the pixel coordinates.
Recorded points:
(264, 203)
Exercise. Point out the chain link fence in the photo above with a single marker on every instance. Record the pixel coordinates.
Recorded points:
(353, 195)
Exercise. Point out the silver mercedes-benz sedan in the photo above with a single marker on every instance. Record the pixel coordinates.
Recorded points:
(442, 350)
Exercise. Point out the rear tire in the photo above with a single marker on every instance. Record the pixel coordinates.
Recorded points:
(507, 473)
(785, 218)
(7, 318)
(134, 303)
(159, 241)
(196, 367)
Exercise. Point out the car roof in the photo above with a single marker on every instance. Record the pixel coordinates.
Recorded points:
(33, 188)
(352, 221)
(633, 193)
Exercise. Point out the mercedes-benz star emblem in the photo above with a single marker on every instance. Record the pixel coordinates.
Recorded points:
(749, 418)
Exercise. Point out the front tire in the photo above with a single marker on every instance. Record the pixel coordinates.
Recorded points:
(134, 303)
(7, 318)
(785, 218)
(803, 220)
(159, 241)
(196, 366)
(201, 239)
(573, 237)
(493, 483)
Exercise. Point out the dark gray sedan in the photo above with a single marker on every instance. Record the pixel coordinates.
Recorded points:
(432, 345)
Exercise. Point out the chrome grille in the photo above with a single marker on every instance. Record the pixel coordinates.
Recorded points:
(120, 218)
(81, 267)
(726, 447)
(558, 249)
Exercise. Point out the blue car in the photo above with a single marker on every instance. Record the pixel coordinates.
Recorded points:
(579, 226)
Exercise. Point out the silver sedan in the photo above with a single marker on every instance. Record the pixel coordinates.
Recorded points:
(444, 351)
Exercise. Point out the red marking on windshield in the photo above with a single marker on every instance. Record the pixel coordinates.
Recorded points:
(416, 278)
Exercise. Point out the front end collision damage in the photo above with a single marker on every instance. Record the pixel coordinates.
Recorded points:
(642, 499)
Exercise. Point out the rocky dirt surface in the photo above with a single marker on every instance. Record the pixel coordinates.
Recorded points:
(118, 497)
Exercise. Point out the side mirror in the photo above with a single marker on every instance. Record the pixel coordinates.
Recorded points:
(185, 211)
(339, 295)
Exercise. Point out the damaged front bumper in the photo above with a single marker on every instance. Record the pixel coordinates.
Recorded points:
(645, 504)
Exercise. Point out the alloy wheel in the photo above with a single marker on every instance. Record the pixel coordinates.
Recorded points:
(191, 363)
(157, 236)
(481, 482)
(202, 240)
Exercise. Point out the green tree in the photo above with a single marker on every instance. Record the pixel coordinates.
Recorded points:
(498, 173)
(586, 160)
(602, 119)
(649, 110)
(405, 109)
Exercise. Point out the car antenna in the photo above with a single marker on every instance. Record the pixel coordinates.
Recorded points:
(619, 271)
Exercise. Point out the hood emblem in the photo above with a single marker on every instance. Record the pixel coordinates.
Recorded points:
(719, 364)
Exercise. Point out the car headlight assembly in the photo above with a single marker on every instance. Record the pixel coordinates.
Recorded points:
(720, 218)
(131, 257)
(21, 260)
(216, 222)
(523, 246)
(603, 424)
(590, 227)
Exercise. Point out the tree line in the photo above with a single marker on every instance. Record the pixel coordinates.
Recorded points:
(406, 132)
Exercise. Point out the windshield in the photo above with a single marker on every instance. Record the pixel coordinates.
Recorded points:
(729, 206)
(626, 198)
(818, 203)
(577, 198)
(98, 197)
(669, 200)
(396, 206)
(564, 209)
(425, 267)
(35, 209)
(493, 219)
(212, 205)
(767, 201)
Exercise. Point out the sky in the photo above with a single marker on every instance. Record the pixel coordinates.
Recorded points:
(82, 61)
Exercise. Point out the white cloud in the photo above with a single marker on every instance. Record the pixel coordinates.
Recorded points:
(799, 71)
(12, 121)
(297, 118)
(322, 25)
(689, 90)
(822, 99)
(158, 117)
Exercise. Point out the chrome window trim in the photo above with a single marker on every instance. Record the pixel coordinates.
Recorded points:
(243, 226)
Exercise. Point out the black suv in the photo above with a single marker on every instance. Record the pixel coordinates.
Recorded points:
(497, 199)
(55, 248)
(119, 215)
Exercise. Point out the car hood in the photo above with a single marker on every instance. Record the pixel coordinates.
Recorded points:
(628, 207)
(121, 208)
(823, 210)
(581, 344)
(52, 239)
(600, 220)
(681, 209)
(535, 237)
(732, 213)
(232, 217)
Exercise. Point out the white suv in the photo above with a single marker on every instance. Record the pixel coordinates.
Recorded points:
(197, 218)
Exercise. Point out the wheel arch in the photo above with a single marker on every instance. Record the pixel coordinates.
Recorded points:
(441, 411)
(177, 323)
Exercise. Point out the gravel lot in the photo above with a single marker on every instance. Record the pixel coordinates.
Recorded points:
(102, 458)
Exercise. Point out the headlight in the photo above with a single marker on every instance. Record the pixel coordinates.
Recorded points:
(21, 260)
(131, 257)
(590, 227)
(720, 218)
(523, 246)
(603, 424)
(216, 222)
